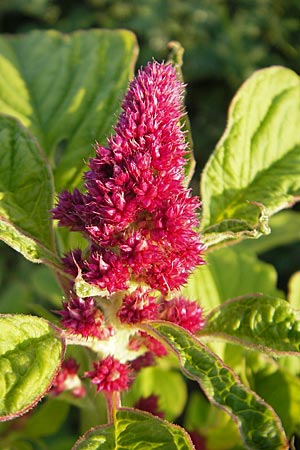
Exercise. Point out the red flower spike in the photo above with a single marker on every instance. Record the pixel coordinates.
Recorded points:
(81, 316)
(145, 360)
(183, 312)
(136, 211)
(198, 440)
(142, 339)
(149, 404)
(109, 375)
(153, 345)
(67, 379)
(138, 306)
(106, 270)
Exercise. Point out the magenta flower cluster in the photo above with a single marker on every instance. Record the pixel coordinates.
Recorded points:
(67, 380)
(139, 219)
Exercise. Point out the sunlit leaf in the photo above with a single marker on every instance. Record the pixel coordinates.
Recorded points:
(294, 290)
(285, 229)
(255, 169)
(26, 369)
(133, 429)
(260, 321)
(215, 426)
(230, 272)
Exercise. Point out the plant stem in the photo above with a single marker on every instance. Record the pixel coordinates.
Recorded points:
(113, 403)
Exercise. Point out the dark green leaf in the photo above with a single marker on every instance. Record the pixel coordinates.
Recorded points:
(26, 193)
(47, 419)
(259, 426)
(66, 89)
(281, 390)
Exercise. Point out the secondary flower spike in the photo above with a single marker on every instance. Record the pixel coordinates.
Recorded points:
(109, 375)
(136, 212)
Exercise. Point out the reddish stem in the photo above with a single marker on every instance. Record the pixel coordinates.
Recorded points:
(113, 403)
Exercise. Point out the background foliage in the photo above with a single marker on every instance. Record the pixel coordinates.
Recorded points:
(224, 41)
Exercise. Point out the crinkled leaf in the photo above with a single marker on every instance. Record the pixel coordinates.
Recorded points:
(255, 169)
(26, 193)
(66, 88)
(258, 424)
(260, 321)
(26, 369)
(134, 430)
(210, 285)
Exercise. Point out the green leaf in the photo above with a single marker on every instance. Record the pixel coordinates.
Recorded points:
(15, 298)
(93, 413)
(45, 286)
(26, 370)
(219, 431)
(294, 290)
(27, 7)
(47, 419)
(285, 229)
(258, 424)
(133, 428)
(162, 383)
(66, 89)
(255, 169)
(260, 321)
(84, 289)
(26, 193)
(210, 285)
(281, 390)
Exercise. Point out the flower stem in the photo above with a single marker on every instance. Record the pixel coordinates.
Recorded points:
(113, 403)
